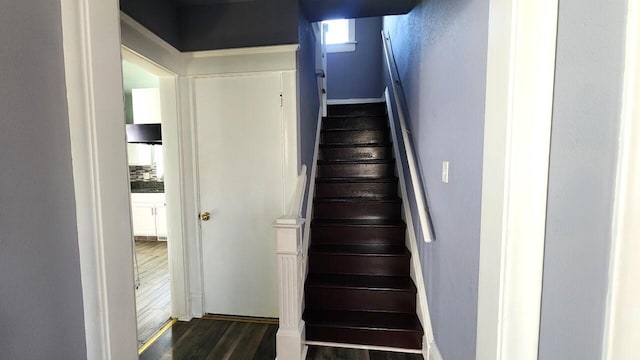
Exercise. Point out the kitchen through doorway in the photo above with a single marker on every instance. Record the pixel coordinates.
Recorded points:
(148, 202)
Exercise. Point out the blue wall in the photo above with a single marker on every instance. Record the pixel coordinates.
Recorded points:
(356, 75)
(441, 51)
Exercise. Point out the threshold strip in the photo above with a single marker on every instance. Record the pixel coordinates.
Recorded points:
(156, 336)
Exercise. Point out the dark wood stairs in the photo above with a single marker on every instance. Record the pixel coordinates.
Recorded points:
(358, 290)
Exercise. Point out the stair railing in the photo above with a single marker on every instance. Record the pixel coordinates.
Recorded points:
(323, 49)
(290, 336)
(424, 216)
(295, 209)
(430, 350)
(293, 241)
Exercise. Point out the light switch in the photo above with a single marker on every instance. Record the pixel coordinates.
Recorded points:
(445, 172)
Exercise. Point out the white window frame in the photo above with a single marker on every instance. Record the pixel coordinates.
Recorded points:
(347, 46)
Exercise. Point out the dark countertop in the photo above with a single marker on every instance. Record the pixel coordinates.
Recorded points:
(147, 187)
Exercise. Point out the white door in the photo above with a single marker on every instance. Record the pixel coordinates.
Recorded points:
(240, 160)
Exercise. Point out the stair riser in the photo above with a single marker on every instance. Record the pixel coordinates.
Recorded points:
(376, 337)
(356, 170)
(383, 265)
(357, 109)
(356, 153)
(355, 137)
(356, 210)
(322, 298)
(381, 189)
(355, 235)
(359, 123)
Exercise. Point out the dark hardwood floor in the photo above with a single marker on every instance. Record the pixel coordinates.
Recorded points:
(214, 339)
(153, 297)
(224, 339)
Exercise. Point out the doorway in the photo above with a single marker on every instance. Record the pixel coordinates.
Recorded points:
(148, 203)
(156, 200)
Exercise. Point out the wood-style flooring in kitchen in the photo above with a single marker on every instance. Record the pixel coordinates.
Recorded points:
(237, 340)
(153, 297)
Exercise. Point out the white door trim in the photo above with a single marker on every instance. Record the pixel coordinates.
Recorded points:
(622, 326)
(92, 56)
(174, 178)
(96, 120)
(519, 97)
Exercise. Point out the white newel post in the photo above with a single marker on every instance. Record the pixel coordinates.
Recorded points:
(290, 337)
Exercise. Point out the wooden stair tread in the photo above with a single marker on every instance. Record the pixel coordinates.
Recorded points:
(355, 130)
(355, 145)
(389, 283)
(364, 320)
(368, 199)
(360, 249)
(359, 222)
(357, 162)
(377, 108)
(359, 179)
(363, 116)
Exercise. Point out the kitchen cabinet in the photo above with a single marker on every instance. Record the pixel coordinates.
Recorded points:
(161, 220)
(149, 215)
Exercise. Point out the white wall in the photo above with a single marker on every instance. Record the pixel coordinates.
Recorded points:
(41, 303)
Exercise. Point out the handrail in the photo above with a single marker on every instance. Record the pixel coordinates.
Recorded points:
(423, 210)
(323, 56)
(295, 208)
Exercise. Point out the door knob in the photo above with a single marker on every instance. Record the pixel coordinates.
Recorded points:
(205, 216)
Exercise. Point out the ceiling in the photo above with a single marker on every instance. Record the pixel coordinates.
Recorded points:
(134, 77)
(209, 2)
(317, 10)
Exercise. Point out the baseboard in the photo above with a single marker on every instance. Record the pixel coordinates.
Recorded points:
(354, 101)
(197, 305)
(363, 347)
(434, 352)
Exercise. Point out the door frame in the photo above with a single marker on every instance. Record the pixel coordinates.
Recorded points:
(622, 322)
(519, 98)
(174, 177)
(93, 74)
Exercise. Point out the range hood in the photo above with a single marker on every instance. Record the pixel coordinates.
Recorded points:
(144, 134)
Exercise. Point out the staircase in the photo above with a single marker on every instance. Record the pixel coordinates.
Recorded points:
(358, 289)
